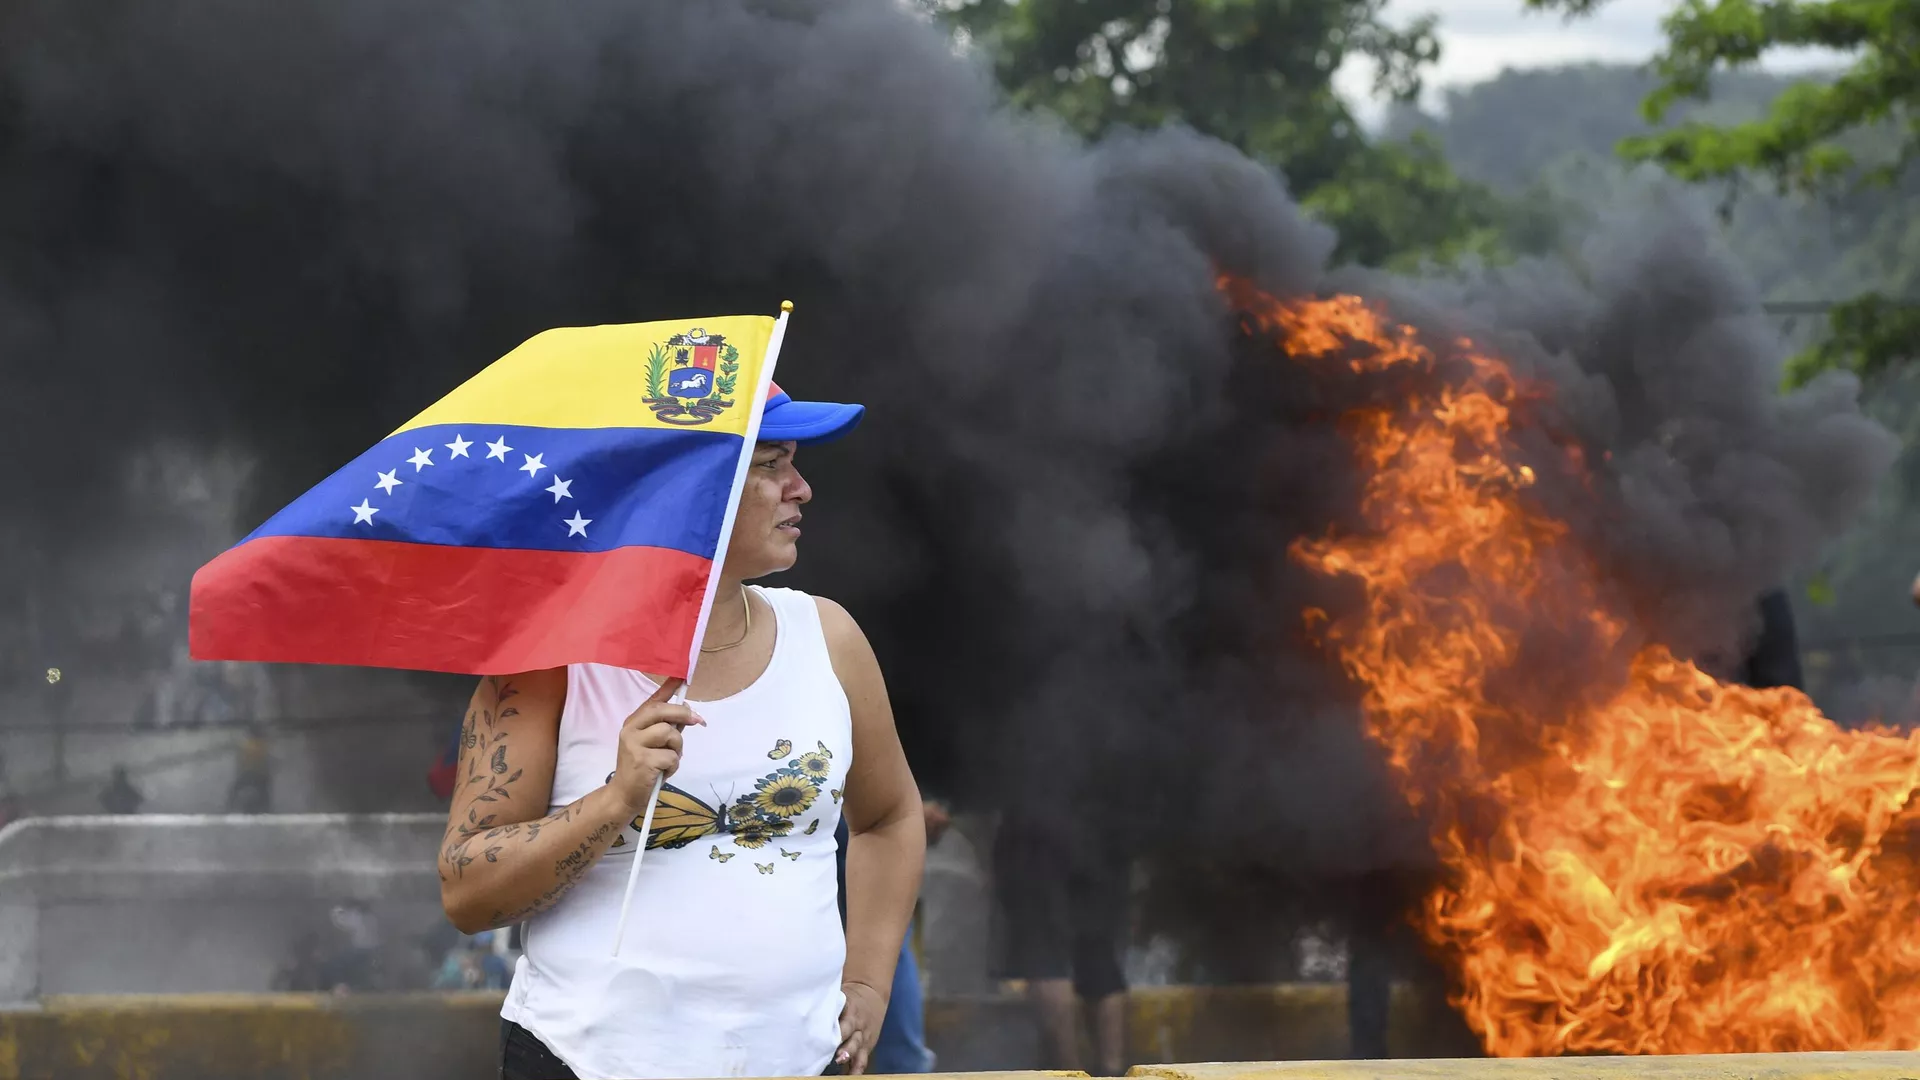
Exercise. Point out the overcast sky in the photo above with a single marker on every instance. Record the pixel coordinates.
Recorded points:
(1479, 38)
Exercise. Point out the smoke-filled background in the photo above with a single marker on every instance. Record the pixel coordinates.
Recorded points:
(239, 243)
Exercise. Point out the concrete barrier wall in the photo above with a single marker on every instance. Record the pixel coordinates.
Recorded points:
(214, 903)
(1853, 1066)
(249, 1037)
(1267, 1023)
(453, 1036)
(206, 905)
(263, 1037)
(186, 903)
(1192, 1023)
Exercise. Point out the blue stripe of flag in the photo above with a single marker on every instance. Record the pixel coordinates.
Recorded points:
(620, 487)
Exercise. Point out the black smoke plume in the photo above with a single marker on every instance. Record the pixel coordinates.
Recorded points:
(277, 230)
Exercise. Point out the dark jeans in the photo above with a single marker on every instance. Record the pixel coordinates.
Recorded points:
(902, 1045)
(523, 1057)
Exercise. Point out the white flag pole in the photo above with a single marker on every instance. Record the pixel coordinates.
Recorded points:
(755, 409)
(633, 872)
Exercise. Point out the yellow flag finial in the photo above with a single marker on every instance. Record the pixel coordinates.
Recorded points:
(786, 305)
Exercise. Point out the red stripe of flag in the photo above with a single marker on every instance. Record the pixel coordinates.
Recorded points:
(380, 603)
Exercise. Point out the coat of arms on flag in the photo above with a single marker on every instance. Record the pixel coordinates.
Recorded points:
(691, 377)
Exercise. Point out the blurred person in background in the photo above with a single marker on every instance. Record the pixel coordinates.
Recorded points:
(1774, 659)
(252, 788)
(343, 957)
(355, 963)
(11, 807)
(151, 703)
(120, 796)
(472, 964)
(1065, 894)
(440, 778)
(213, 697)
(306, 970)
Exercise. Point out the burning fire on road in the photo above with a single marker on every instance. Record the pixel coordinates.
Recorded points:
(1639, 858)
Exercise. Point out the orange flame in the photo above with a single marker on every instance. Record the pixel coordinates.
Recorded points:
(1650, 863)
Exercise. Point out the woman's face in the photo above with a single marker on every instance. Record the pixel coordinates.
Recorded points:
(766, 530)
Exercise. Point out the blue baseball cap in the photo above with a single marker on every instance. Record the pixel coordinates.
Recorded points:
(805, 422)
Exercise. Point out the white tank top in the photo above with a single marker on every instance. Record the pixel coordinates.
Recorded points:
(733, 953)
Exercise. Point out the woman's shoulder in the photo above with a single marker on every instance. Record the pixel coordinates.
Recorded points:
(831, 613)
(843, 634)
(835, 621)
(845, 640)
(788, 602)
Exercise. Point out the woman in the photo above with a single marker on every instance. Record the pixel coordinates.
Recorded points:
(734, 961)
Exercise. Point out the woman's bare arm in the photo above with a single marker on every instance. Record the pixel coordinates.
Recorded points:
(504, 857)
(887, 839)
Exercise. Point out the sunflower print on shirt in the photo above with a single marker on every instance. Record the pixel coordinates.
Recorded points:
(766, 814)
(814, 765)
(759, 832)
(784, 794)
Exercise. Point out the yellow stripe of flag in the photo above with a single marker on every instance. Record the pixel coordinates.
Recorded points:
(616, 376)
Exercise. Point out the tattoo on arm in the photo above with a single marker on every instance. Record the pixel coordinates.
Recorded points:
(567, 869)
(490, 778)
(484, 748)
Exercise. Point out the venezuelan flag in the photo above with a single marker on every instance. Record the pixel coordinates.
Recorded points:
(568, 504)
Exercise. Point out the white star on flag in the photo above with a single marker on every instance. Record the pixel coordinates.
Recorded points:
(388, 481)
(420, 459)
(498, 449)
(363, 514)
(562, 489)
(576, 525)
(533, 465)
(458, 446)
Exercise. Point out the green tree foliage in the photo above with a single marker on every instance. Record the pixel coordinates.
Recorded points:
(1819, 137)
(1867, 334)
(1399, 204)
(1259, 75)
